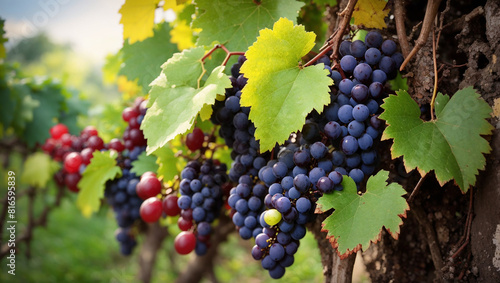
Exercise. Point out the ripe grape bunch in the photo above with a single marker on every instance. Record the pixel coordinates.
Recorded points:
(74, 151)
(351, 121)
(124, 193)
(200, 201)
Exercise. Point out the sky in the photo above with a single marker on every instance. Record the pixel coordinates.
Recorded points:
(91, 27)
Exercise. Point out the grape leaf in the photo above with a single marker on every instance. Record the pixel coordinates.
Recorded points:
(451, 145)
(2, 39)
(175, 108)
(138, 19)
(358, 220)
(144, 163)
(278, 89)
(111, 67)
(399, 83)
(370, 13)
(324, 2)
(142, 60)
(51, 98)
(38, 169)
(182, 35)
(102, 168)
(236, 23)
(184, 68)
(168, 164)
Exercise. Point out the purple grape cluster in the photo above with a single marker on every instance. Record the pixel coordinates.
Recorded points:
(201, 199)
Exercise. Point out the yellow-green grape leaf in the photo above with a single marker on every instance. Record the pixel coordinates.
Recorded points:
(182, 35)
(168, 164)
(358, 219)
(2, 39)
(236, 23)
(102, 168)
(144, 163)
(142, 61)
(451, 145)
(279, 91)
(38, 169)
(184, 68)
(370, 13)
(138, 19)
(175, 108)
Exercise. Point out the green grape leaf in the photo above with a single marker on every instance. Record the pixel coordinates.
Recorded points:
(144, 163)
(399, 83)
(138, 19)
(279, 91)
(102, 168)
(51, 99)
(324, 2)
(142, 60)
(175, 108)
(111, 67)
(451, 145)
(2, 39)
(168, 164)
(358, 219)
(38, 169)
(184, 68)
(236, 23)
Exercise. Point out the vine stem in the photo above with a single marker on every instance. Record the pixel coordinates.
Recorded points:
(334, 41)
(417, 187)
(433, 100)
(217, 46)
(399, 14)
(430, 15)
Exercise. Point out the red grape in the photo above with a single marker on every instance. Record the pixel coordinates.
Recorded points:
(71, 181)
(151, 210)
(129, 113)
(58, 130)
(95, 142)
(185, 242)
(87, 154)
(148, 174)
(148, 187)
(116, 144)
(72, 162)
(184, 224)
(170, 206)
(194, 140)
(89, 131)
(66, 139)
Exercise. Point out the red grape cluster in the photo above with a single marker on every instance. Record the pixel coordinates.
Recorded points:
(74, 151)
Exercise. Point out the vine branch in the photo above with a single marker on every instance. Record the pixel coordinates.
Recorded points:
(430, 15)
(399, 14)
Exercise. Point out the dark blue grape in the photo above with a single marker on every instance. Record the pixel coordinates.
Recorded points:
(387, 65)
(336, 77)
(373, 56)
(356, 128)
(379, 76)
(345, 48)
(315, 174)
(362, 72)
(368, 157)
(345, 114)
(353, 160)
(303, 205)
(373, 39)
(348, 63)
(388, 47)
(358, 49)
(359, 93)
(398, 59)
(331, 112)
(318, 150)
(365, 142)
(301, 158)
(332, 130)
(277, 272)
(357, 175)
(325, 185)
(360, 112)
(338, 158)
(280, 169)
(345, 86)
(336, 177)
(349, 145)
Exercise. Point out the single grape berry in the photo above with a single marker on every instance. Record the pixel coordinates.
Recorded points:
(170, 206)
(148, 187)
(72, 162)
(58, 130)
(151, 210)
(185, 242)
(194, 140)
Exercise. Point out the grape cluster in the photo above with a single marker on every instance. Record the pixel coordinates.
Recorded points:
(351, 121)
(200, 201)
(236, 129)
(74, 151)
(122, 193)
